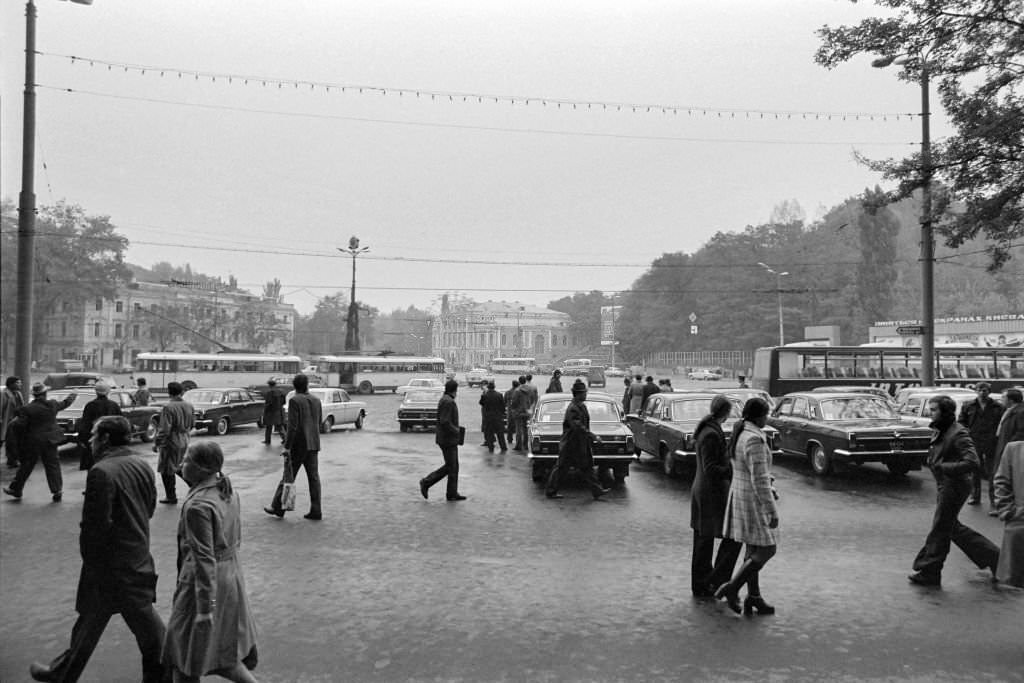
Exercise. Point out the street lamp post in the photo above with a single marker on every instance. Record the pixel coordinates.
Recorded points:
(927, 236)
(778, 290)
(352, 327)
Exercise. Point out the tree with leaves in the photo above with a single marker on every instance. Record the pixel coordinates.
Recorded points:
(973, 48)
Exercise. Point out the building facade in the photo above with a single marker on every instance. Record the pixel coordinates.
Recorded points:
(149, 316)
(469, 334)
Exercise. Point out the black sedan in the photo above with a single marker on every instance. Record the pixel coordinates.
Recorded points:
(419, 409)
(848, 428)
(615, 452)
(218, 410)
(144, 419)
(666, 428)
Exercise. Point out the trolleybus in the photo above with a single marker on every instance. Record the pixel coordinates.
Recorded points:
(780, 370)
(368, 374)
(212, 369)
(513, 366)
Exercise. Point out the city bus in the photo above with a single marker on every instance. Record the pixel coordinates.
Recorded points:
(576, 367)
(780, 370)
(513, 366)
(368, 374)
(212, 369)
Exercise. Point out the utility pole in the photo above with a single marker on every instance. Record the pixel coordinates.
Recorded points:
(27, 211)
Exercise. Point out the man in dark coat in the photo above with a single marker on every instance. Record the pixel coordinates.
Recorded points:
(981, 417)
(555, 385)
(649, 388)
(93, 410)
(118, 574)
(273, 411)
(627, 396)
(39, 437)
(492, 404)
(1010, 428)
(520, 408)
(952, 460)
(10, 401)
(302, 447)
(576, 447)
(510, 421)
(709, 494)
(142, 396)
(449, 436)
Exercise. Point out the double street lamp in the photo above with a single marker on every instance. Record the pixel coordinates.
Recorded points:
(352, 327)
(927, 238)
(778, 290)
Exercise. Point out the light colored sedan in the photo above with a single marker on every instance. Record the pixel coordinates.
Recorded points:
(420, 383)
(703, 374)
(338, 408)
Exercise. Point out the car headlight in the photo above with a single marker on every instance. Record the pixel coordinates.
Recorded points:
(853, 440)
(535, 444)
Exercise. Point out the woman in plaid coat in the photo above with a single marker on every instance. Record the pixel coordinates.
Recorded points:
(750, 513)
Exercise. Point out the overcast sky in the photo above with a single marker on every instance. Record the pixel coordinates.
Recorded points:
(266, 180)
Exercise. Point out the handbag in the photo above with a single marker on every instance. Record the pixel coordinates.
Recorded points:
(462, 436)
(288, 486)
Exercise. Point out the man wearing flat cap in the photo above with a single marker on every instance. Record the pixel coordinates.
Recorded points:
(575, 449)
(93, 410)
(981, 417)
(40, 437)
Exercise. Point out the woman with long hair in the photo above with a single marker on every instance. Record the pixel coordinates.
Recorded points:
(707, 503)
(750, 513)
(211, 630)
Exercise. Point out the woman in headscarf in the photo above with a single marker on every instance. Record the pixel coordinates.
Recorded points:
(707, 503)
(750, 513)
(211, 630)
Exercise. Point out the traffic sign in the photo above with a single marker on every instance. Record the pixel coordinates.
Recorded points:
(910, 330)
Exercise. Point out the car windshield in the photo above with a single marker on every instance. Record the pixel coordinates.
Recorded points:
(695, 409)
(422, 396)
(203, 396)
(854, 408)
(83, 397)
(600, 411)
(422, 382)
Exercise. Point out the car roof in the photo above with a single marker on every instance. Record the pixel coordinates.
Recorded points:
(831, 394)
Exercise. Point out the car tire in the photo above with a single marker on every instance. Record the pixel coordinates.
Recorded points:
(366, 387)
(538, 471)
(327, 425)
(667, 465)
(359, 420)
(403, 427)
(620, 472)
(821, 463)
(898, 468)
(220, 427)
(151, 429)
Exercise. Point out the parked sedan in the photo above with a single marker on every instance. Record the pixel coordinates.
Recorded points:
(144, 419)
(913, 405)
(218, 410)
(666, 427)
(848, 428)
(338, 408)
(419, 408)
(544, 430)
(420, 383)
(479, 377)
(703, 374)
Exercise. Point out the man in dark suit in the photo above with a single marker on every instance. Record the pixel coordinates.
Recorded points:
(493, 407)
(449, 438)
(981, 417)
(10, 401)
(952, 460)
(510, 420)
(649, 388)
(118, 574)
(1010, 428)
(93, 410)
(575, 449)
(39, 437)
(302, 447)
(273, 411)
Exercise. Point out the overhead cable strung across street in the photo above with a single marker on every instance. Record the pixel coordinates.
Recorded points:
(480, 98)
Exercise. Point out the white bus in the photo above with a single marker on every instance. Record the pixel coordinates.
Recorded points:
(212, 369)
(367, 374)
(513, 366)
(576, 367)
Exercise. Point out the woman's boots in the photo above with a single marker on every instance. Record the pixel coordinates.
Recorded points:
(748, 574)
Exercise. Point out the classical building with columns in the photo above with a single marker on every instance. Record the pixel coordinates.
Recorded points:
(469, 334)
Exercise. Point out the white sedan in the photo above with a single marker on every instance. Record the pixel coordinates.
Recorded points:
(338, 408)
(702, 373)
(420, 383)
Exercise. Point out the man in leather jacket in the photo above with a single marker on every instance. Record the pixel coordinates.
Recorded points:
(953, 460)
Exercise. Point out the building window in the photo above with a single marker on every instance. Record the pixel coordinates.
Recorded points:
(95, 329)
(63, 328)
(137, 306)
(119, 306)
(504, 339)
(65, 306)
(118, 330)
(99, 303)
(135, 331)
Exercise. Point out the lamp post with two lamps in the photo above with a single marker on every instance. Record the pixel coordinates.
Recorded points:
(778, 290)
(352, 328)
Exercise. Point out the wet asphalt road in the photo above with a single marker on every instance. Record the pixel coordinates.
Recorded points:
(509, 586)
